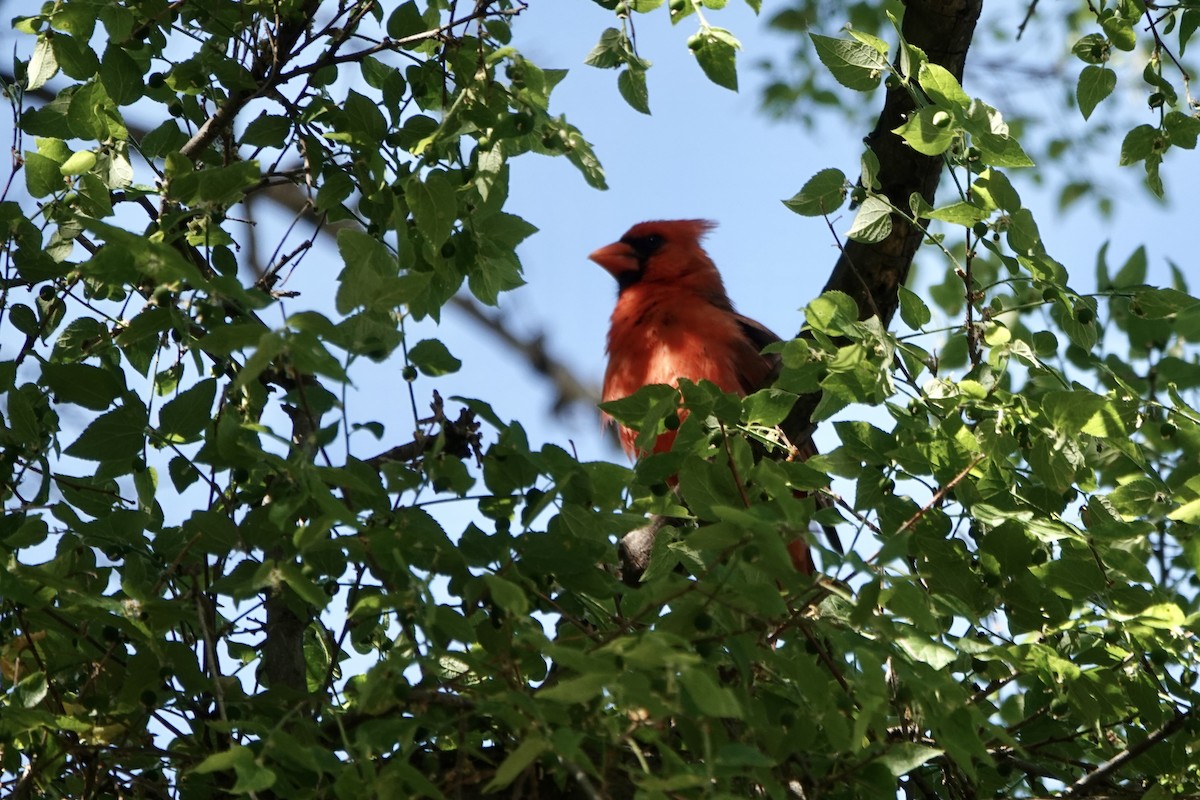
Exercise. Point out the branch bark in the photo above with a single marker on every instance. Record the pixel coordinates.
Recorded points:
(873, 273)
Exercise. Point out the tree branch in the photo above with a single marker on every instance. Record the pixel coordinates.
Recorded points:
(1079, 788)
(873, 273)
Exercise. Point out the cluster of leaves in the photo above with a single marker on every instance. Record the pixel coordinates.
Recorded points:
(1127, 38)
(283, 613)
(1060, 519)
(173, 463)
(715, 48)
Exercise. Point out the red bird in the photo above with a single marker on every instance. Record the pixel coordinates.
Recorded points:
(673, 320)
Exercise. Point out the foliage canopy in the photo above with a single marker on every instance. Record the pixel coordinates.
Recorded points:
(216, 583)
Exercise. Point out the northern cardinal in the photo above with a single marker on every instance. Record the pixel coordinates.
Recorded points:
(673, 320)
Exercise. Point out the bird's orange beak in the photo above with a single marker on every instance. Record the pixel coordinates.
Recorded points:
(617, 258)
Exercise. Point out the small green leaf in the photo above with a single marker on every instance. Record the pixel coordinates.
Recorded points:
(507, 595)
(995, 191)
(1095, 84)
(1139, 143)
(370, 278)
(1189, 22)
(1023, 235)
(872, 223)
(187, 415)
(83, 384)
(1161, 303)
(913, 310)
(959, 213)
(631, 83)
(431, 357)
(716, 52)
(516, 762)
(941, 86)
(854, 65)
(267, 130)
(121, 433)
(1182, 128)
(43, 176)
(710, 698)
(1120, 31)
(368, 125)
(121, 76)
(405, 21)
(902, 758)
(610, 51)
(433, 206)
(832, 312)
(42, 64)
(824, 193)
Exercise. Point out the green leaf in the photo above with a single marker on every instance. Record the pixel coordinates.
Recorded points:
(42, 64)
(184, 417)
(1120, 31)
(610, 51)
(959, 213)
(1138, 144)
(121, 76)
(768, 406)
(267, 130)
(902, 758)
(43, 176)
(405, 21)
(431, 357)
(1095, 84)
(517, 761)
(219, 186)
(716, 52)
(251, 776)
(710, 698)
(75, 58)
(854, 65)
(872, 223)
(370, 278)
(119, 434)
(575, 690)
(226, 339)
(1159, 303)
(824, 193)
(433, 205)
(994, 190)
(1182, 128)
(833, 312)
(1022, 233)
(941, 86)
(930, 131)
(631, 83)
(368, 125)
(507, 595)
(913, 310)
(1189, 22)
(83, 384)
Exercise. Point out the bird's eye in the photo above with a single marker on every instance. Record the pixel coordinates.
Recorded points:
(647, 245)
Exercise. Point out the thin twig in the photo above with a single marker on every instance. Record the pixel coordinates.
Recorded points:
(1028, 16)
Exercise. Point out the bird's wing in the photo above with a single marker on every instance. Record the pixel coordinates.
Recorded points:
(755, 370)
